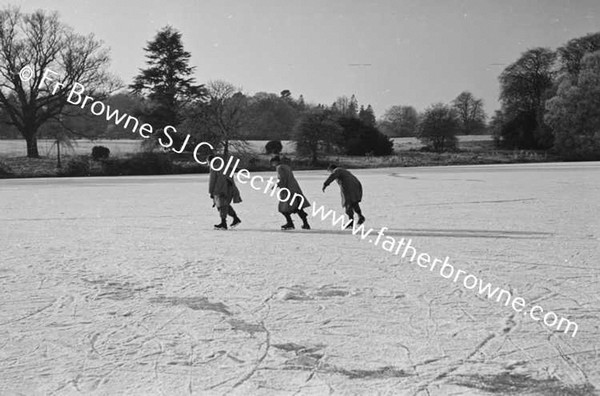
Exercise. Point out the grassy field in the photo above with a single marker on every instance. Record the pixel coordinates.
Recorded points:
(47, 148)
(472, 150)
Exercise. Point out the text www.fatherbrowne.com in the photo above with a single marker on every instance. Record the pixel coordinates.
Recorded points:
(404, 249)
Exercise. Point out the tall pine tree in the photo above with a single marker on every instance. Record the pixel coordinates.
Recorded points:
(367, 115)
(167, 84)
(353, 107)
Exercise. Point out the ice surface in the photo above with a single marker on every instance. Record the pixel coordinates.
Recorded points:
(120, 286)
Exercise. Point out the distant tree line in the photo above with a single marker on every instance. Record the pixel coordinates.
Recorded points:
(551, 100)
(164, 93)
(342, 128)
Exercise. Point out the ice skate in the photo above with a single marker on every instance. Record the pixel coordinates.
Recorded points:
(235, 222)
(221, 226)
(288, 226)
(361, 219)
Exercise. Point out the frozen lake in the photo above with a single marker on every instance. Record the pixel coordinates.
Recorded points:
(120, 286)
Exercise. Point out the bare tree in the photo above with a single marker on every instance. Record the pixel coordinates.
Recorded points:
(470, 113)
(438, 127)
(316, 132)
(525, 85)
(48, 53)
(222, 114)
(400, 121)
(345, 107)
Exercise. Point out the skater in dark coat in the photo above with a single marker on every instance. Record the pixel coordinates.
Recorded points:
(296, 201)
(351, 191)
(223, 191)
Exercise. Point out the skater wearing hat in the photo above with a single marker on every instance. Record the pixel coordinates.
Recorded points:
(351, 191)
(296, 202)
(223, 191)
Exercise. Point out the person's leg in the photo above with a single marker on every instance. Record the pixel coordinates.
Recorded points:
(289, 224)
(231, 212)
(236, 219)
(304, 216)
(223, 210)
(361, 218)
(350, 214)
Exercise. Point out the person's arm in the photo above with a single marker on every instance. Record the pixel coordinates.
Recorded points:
(330, 180)
(212, 181)
(282, 176)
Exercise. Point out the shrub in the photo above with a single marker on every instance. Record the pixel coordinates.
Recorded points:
(100, 152)
(253, 162)
(77, 166)
(359, 138)
(145, 163)
(5, 170)
(273, 147)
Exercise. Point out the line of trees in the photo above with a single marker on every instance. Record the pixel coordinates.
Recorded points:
(403, 121)
(165, 92)
(342, 128)
(550, 100)
(438, 125)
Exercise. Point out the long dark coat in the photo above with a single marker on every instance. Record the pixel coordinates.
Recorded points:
(350, 186)
(287, 180)
(223, 189)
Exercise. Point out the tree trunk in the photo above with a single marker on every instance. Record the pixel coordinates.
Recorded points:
(225, 149)
(32, 149)
(58, 165)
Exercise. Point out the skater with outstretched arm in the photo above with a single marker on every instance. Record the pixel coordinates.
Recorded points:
(223, 191)
(351, 191)
(296, 202)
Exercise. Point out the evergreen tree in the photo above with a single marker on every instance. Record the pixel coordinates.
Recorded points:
(358, 138)
(301, 104)
(353, 107)
(167, 83)
(367, 115)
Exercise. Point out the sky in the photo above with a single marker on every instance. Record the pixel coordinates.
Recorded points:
(386, 52)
